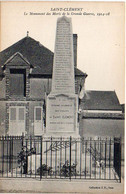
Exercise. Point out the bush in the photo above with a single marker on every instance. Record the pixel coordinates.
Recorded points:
(45, 170)
(67, 170)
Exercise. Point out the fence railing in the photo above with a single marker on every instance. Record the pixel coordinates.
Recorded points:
(60, 158)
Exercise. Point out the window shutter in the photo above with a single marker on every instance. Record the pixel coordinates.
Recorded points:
(38, 114)
(12, 114)
(21, 114)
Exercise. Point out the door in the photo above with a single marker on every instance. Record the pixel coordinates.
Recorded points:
(38, 121)
(17, 120)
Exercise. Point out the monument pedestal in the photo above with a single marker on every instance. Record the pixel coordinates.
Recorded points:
(62, 115)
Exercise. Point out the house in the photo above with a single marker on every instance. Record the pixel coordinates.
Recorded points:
(102, 114)
(25, 81)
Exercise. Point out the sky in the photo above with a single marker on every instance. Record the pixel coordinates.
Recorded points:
(100, 29)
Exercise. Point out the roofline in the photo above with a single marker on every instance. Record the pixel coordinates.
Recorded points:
(103, 116)
(81, 75)
(100, 91)
(12, 45)
(22, 40)
(47, 75)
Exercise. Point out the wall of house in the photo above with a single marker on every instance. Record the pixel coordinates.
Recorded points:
(79, 81)
(2, 117)
(29, 116)
(98, 127)
(39, 86)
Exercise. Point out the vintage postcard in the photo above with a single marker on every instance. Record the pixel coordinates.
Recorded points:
(62, 104)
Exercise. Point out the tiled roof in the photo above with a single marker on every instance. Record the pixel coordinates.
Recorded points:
(36, 54)
(32, 50)
(100, 100)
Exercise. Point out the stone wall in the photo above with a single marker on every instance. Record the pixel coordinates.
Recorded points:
(38, 87)
(2, 88)
(101, 127)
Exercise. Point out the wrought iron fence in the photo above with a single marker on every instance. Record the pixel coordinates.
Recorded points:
(60, 158)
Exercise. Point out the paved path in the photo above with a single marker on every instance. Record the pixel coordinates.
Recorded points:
(20, 185)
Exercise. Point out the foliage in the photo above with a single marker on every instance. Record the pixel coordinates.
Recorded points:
(44, 170)
(67, 170)
(23, 158)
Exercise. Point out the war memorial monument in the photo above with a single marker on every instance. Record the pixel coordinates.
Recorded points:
(62, 102)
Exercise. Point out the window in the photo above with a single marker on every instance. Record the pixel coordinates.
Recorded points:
(17, 120)
(17, 82)
(12, 114)
(21, 114)
(17, 113)
(38, 113)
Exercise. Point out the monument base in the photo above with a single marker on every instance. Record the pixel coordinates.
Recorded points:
(62, 115)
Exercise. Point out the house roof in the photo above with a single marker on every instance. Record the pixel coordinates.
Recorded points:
(36, 54)
(100, 100)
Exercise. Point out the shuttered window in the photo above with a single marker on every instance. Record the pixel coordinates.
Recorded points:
(17, 113)
(12, 114)
(21, 114)
(38, 113)
(17, 82)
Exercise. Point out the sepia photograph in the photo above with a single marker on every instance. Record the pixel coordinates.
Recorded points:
(62, 97)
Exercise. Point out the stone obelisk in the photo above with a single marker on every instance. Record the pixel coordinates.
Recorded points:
(62, 102)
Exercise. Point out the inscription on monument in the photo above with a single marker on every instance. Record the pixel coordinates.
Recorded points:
(61, 114)
(63, 74)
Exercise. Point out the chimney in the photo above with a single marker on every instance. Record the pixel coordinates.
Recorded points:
(75, 49)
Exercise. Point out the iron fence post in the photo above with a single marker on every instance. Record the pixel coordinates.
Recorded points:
(80, 154)
(70, 159)
(3, 156)
(22, 138)
(26, 156)
(117, 157)
(120, 159)
(22, 145)
(30, 158)
(90, 159)
(51, 155)
(60, 155)
(12, 157)
(41, 160)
